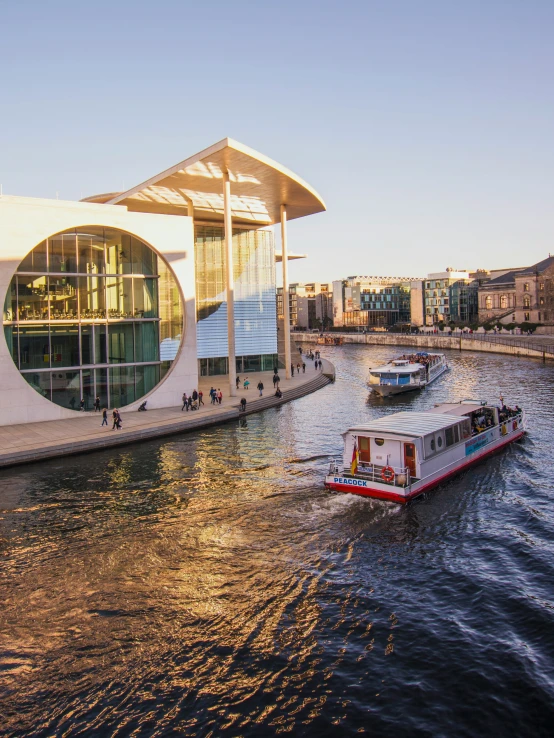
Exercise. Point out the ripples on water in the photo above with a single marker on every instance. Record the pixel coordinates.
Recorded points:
(209, 585)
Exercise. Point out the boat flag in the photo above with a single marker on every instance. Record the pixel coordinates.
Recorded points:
(354, 464)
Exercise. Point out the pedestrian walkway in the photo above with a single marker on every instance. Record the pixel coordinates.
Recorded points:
(35, 441)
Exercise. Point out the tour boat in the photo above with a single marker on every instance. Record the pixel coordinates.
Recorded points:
(399, 456)
(407, 373)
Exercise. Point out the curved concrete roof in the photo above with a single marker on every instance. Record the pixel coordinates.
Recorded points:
(259, 186)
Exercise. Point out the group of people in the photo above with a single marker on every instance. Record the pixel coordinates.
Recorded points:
(192, 401)
(116, 417)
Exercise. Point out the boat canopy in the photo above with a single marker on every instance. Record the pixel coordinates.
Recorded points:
(409, 424)
(397, 369)
(457, 408)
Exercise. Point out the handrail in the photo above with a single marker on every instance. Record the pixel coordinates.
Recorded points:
(505, 341)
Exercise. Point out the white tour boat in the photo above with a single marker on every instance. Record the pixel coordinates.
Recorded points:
(407, 373)
(404, 454)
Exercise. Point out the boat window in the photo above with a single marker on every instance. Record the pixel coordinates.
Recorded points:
(466, 429)
(439, 441)
(449, 436)
(363, 445)
(432, 444)
(456, 432)
(379, 441)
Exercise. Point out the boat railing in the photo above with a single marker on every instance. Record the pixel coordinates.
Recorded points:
(397, 476)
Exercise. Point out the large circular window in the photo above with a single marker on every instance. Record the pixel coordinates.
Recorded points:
(93, 313)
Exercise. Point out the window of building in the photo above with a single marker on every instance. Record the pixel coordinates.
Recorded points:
(526, 317)
(541, 286)
(526, 287)
(541, 300)
(503, 301)
(75, 335)
(488, 302)
(526, 301)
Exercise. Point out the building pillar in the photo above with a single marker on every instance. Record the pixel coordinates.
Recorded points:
(286, 305)
(230, 283)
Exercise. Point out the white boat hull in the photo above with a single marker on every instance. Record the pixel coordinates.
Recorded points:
(390, 491)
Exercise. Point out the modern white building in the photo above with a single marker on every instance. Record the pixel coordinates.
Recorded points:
(129, 296)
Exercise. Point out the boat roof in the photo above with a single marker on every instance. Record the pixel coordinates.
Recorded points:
(396, 369)
(456, 408)
(410, 424)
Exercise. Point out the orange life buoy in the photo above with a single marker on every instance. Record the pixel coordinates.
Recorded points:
(387, 474)
(514, 425)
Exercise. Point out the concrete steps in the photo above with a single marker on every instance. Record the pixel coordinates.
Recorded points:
(262, 403)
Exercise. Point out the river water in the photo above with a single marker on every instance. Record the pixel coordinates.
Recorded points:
(208, 585)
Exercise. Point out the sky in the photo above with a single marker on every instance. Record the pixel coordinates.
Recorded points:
(426, 126)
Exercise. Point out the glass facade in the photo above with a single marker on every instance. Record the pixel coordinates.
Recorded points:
(87, 315)
(255, 308)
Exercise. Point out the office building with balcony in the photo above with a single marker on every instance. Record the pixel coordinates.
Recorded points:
(372, 302)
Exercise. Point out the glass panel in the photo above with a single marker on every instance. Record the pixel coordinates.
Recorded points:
(118, 250)
(122, 385)
(88, 388)
(64, 342)
(34, 261)
(40, 382)
(146, 341)
(66, 389)
(92, 298)
(119, 297)
(90, 244)
(102, 386)
(100, 354)
(10, 303)
(11, 339)
(62, 253)
(87, 345)
(150, 298)
(144, 259)
(63, 298)
(34, 349)
(32, 298)
(120, 343)
(151, 377)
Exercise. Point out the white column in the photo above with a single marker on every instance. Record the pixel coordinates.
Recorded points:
(230, 291)
(286, 306)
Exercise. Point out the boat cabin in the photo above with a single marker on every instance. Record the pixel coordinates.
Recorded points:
(414, 444)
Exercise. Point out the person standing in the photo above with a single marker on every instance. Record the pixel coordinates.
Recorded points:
(277, 379)
(82, 404)
(238, 381)
(243, 405)
(246, 383)
(200, 398)
(274, 379)
(212, 396)
(298, 367)
(261, 388)
(118, 420)
(104, 416)
(275, 369)
(292, 369)
(303, 367)
(219, 396)
(185, 401)
(194, 396)
(97, 404)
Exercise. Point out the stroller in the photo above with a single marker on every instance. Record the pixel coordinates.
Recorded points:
(142, 407)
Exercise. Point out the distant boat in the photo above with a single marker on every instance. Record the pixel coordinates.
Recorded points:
(400, 456)
(407, 373)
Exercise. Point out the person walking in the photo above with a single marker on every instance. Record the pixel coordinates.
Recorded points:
(277, 379)
(303, 367)
(274, 379)
(185, 401)
(298, 367)
(97, 404)
(114, 416)
(189, 403)
(238, 381)
(200, 398)
(104, 416)
(261, 388)
(82, 404)
(292, 370)
(246, 383)
(118, 420)
(195, 397)
(219, 396)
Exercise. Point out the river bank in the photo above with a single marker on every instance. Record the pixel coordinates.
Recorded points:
(538, 347)
(31, 442)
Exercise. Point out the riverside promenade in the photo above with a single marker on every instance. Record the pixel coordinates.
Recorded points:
(30, 442)
(535, 346)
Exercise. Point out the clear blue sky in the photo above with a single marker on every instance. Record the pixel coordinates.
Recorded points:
(427, 126)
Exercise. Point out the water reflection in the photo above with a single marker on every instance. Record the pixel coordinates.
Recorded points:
(208, 584)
